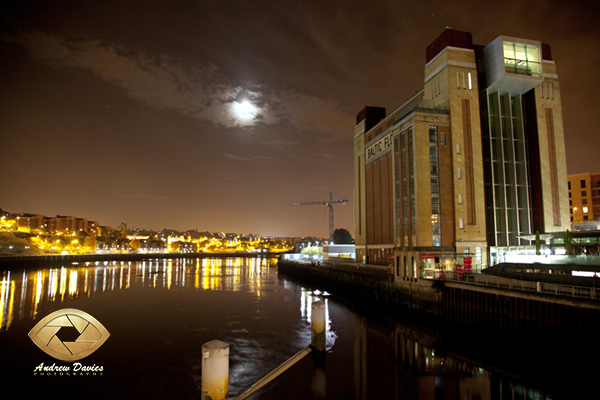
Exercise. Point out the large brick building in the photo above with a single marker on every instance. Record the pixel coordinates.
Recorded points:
(584, 197)
(472, 161)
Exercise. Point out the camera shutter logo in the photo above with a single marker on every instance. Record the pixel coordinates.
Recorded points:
(92, 334)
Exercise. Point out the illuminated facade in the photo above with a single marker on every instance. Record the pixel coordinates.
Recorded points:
(584, 197)
(472, 161)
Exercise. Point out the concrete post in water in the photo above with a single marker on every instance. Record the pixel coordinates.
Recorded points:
(215, 370)
(318, 382)
(318, 324)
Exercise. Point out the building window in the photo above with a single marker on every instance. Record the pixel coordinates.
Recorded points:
(585, 217)
(583, 193)
(457, 148)
(583, 201)
(460, 199)
(461, 223)
(397, 190)
(459, 173)
(522, 59)
(585, 209)
(411, 173)
(569, 183)
(435, 186)
(569, 194)
(582, 183)
(470, 84)
(570, 202)
(442, 139)
(404, 189)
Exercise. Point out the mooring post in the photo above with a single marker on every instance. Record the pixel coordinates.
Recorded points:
(215, 370)
(318, 382)
(318, 331)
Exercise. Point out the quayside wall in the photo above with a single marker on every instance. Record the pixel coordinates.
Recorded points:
(527, 313)
(371, 282)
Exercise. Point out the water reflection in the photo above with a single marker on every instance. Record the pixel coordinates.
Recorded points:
(307, 298)
(180, 304)
(22, 291)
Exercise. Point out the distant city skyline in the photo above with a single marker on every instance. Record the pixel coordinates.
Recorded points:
(221, 114)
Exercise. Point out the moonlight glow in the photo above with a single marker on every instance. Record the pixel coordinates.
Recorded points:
(244, 110)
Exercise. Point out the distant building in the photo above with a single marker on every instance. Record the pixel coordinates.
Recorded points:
(29, 222)
(472, 161)
(584, 197)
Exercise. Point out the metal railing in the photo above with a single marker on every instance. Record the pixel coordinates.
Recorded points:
(583, 292)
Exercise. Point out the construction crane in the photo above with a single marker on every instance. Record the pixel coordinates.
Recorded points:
(329, 204)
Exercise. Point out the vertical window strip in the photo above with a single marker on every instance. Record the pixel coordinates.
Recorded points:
(457, 81)
(435, 187)
(404, 189)
(470, 84)
(545, 93)
(411, 172)
(397, 189)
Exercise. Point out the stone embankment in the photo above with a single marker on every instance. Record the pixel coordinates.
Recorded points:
(502, 305)
(370, 282)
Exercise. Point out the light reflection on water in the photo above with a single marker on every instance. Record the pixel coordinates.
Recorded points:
(160, 312)
(23, 291)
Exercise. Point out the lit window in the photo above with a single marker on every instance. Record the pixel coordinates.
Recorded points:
(457, 148)
(585, 209)
(470, 85)
(522, 59)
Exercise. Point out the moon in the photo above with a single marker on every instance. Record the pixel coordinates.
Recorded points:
(244, 110)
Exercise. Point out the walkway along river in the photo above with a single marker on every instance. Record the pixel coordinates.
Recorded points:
(159, 313)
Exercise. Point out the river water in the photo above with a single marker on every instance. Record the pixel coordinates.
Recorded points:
(159, 313)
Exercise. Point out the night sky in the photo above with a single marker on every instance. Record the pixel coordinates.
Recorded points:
(141, 111)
